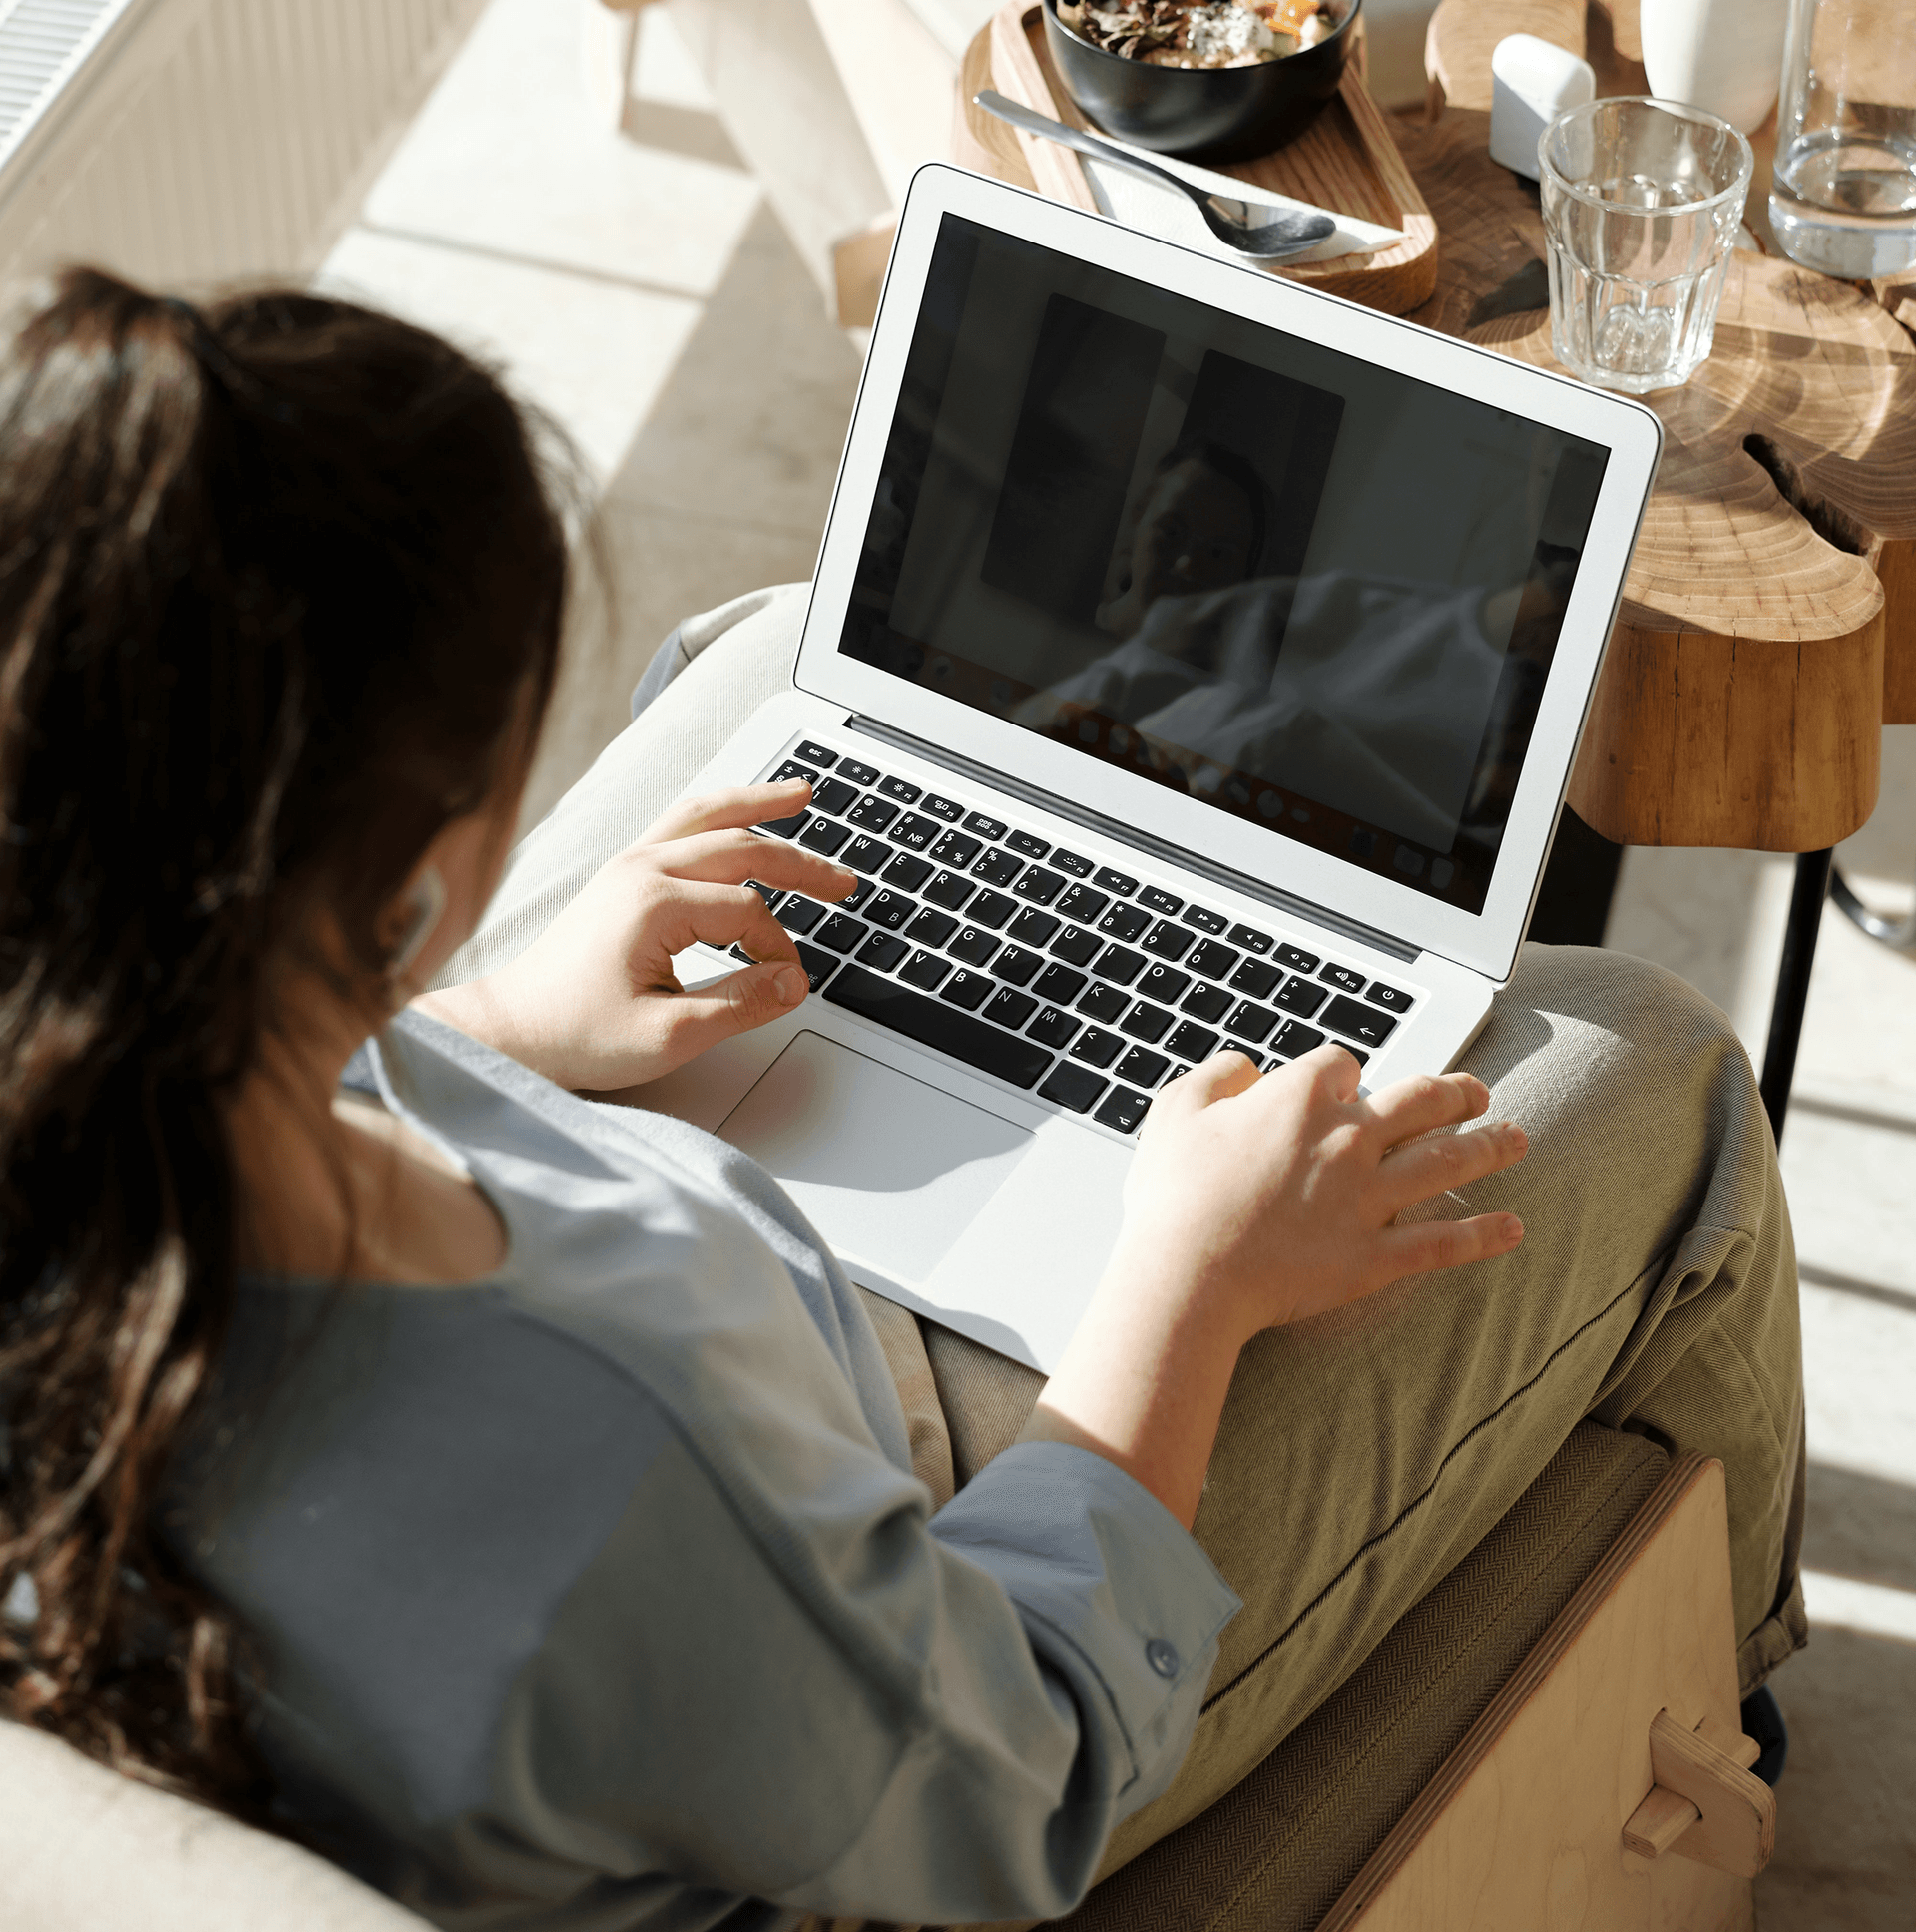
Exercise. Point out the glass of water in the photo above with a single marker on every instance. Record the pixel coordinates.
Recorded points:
(1642, 203)
(1843, 197)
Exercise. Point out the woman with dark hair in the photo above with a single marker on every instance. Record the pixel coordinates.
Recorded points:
(504, 1490)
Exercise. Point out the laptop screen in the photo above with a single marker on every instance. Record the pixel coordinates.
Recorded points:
(1299, 587)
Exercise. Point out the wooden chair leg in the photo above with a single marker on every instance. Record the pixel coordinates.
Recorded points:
(1606, 1788)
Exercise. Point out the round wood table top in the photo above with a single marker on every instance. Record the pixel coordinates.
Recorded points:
(1768, 628)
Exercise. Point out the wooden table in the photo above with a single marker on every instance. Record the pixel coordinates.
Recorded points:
(1768, 625)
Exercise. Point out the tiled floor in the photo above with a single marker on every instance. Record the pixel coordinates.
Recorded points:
(637, 288)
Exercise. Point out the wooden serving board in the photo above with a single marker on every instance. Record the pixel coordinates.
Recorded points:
(1345, 161)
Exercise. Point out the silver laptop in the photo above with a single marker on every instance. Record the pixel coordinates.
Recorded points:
(1194, 660)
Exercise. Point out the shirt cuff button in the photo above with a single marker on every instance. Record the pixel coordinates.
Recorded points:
(1161, 1657)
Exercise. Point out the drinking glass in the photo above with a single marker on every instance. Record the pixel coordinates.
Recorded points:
(1843, 199)
(1642, 203)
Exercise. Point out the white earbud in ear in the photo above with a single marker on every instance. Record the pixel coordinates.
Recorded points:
(424, 905)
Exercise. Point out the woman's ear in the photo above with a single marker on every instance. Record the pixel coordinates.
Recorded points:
(423, 905)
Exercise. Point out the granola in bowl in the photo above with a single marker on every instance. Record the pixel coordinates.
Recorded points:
(1202, 33)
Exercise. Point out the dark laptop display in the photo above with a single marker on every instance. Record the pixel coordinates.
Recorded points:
(1308, 591)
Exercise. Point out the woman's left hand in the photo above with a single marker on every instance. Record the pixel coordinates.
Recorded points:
(592, 1004)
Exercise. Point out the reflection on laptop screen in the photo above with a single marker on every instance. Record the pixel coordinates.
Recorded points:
(1302, 588)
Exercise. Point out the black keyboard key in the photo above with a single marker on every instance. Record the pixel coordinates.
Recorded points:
(1120, 883)
(1302, 997)
(1165, 983)
(1039, 887)
(1096, 1048)
(992, 909)
(1204, 1002)
(1343, 979)
(1298, 959)
(1026, 843)
(1079, 868)
(925, 969)
(1251, 940)
(914, 831)
(1102, 1002)
(856, 898)
(997, 867)
(1145, 1022)
(799, 914)
(1257, 977)
(931, 928)
(834, 796)
(1119, 965)
(1123, 1110)
(1011, 1009)
(1211, 960)
(975, 948)
(949, 809)
(1073, 1087)
(1055, 1029)
(1076, 945)
(935, 1024)
(1251, 1022)
(1082, 904)
(1293, 1038)
(883, 951)
(956, 849)
(1203, 919)
(871, 815)
(787, 827)
(1016, 965)
(1059, 985)
(819, 965)
(907, 873)
(1125, 922)
(906, 792)
(815, 755)
(1356, 1053)
(949, 891)
(891, 910)
(840, 933)
(991, 829)
(969, 990)
(867, 855)
(1362, 1022)
(1169, 941)
(1389, 997)
(1191, 1041)
(1142, 1067)
(1031, 927)
(764, 893)
(858, 775)
(1154, 901)
(791, 768)
(822, 835)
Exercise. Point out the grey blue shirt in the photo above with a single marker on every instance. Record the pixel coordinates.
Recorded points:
(600, 1594)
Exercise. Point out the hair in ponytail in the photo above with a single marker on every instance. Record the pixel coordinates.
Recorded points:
(280, 591)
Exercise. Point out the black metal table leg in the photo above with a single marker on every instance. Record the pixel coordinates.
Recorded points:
(1792, 984)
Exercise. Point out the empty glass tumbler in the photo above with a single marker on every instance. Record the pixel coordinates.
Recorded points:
(1642, 203)
(1843, 197)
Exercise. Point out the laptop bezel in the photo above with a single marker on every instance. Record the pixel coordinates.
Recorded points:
(1487, 941)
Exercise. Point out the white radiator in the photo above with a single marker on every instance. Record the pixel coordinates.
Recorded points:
(198, 142)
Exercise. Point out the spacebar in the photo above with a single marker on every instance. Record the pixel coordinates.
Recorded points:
(932, 1023)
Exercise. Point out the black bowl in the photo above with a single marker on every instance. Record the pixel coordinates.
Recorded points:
(1201, 112)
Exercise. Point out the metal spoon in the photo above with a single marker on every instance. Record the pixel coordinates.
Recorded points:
(1253, 228)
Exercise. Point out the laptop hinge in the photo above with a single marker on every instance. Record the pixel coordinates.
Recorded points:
(1139, 841)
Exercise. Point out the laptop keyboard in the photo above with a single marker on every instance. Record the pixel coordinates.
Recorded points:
(1041, 967)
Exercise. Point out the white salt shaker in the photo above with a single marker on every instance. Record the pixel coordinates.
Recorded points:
(1532, 83)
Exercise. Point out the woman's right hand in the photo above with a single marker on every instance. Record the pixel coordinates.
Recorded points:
(1273, 1199)
(1254, 1201)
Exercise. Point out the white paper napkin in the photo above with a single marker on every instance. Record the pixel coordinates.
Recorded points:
(1144, 204)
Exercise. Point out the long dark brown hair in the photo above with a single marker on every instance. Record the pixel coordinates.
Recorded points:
(280, 593)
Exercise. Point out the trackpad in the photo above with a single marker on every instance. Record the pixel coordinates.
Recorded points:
(890, 1170)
